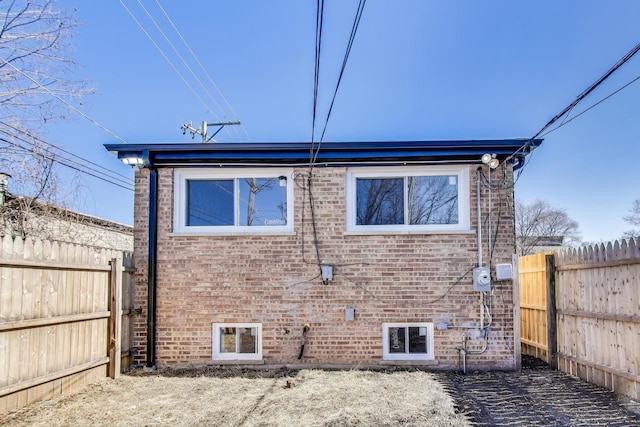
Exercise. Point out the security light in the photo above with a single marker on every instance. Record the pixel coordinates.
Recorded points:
(133, 161)
(490, 159)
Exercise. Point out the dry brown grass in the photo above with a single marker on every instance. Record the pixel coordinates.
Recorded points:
(311, 398)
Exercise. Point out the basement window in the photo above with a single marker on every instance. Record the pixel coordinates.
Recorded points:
(237, 341)
(244, 201)
(408, 199)
(407, 341)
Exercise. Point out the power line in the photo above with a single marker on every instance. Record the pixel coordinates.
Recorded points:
(86, 116)
(110, 171)
(166, 58)
(316, 77)
(590, 89)
(69, 164)
(566, 122)
(354, 30)
(184, 62)
(204, 70)
(570, 107)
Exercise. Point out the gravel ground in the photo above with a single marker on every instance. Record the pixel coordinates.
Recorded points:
(537, 396)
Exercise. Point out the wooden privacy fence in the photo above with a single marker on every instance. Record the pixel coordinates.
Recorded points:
(536, 275)
(62, 322)
(593, 295)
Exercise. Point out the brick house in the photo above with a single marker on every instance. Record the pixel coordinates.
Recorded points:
(373, 255)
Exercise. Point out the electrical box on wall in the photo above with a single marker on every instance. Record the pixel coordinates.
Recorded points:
(504, 272)
(349, 314)
(481, 279)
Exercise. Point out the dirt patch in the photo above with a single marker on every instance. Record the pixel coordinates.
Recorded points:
(230, 397)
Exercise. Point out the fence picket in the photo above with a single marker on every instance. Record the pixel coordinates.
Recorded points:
(42, 280)
(598, 326)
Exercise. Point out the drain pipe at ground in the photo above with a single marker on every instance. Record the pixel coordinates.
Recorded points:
(305, 329)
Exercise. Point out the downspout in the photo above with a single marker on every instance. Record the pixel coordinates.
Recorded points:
(479, 171)
(489, 225)
(152, 267)
(479, 214)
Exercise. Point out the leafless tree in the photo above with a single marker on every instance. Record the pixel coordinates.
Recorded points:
(35, 66)
(539, 223)
(380, 201)
(433, 200)
(35, 84)
(634, 220)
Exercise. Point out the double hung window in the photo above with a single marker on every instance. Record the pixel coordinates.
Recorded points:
(233, 201)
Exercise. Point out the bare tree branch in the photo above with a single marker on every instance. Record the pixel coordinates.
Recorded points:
(540, 224)
(35, 75)
(634, 220)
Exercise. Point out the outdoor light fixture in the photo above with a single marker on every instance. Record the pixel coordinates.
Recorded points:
(282, 180)
(490, 159)
(133, 161)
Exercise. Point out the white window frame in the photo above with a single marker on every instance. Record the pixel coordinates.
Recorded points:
(387, 355)
(215, 344)
(181, 176)
(461, 172)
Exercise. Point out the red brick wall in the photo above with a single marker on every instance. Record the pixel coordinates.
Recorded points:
(269, 280)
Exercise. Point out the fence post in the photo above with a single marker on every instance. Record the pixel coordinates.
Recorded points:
(115, 318)
(552, 327)
(517, 330)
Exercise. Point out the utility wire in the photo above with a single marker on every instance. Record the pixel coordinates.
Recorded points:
(184, 62)
(204, 70)
(590, 89)
(85, 161)
(166, 58)
(313, 156)
(352, 36)
(579, 98)
(354, 30)
(316, 77)
(67, 164)
(565, 122)
(65, 102)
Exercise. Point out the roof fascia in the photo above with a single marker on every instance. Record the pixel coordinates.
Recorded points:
(357, 153)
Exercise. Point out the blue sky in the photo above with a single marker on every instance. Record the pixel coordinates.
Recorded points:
(418, 70)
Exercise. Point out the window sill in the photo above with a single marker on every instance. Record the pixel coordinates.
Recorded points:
(230, 233)
(410, 362)
(404, 232)
(236, 362)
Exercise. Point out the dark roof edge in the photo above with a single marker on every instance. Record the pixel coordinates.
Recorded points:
(279, 153)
